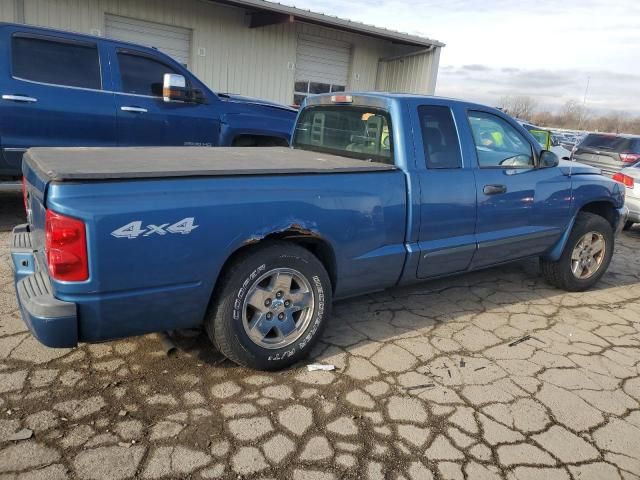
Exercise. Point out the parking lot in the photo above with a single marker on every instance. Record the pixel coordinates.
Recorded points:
(488, 375)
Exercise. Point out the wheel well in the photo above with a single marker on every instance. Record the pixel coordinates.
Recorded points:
(259, 141)
(318, 247)
(604, 209)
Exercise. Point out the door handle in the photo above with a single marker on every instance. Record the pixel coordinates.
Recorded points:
(134, 109)
(19, 98)
(494, 189)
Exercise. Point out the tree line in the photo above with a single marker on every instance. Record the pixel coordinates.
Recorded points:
(573, 116)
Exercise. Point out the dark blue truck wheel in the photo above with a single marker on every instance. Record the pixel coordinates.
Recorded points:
(271, 307)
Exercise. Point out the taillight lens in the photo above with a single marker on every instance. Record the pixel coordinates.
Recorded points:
(66, 247)
(24, 193)
(630, 157)
(626, 180)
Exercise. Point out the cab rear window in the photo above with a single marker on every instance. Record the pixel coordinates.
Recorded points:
(355, 132)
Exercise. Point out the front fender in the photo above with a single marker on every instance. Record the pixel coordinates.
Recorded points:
(620, 215)
(256, 123)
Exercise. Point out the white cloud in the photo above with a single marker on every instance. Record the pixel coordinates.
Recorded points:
(554, 45)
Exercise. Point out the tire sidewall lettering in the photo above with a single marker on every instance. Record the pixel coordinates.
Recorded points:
(242, 291)
(319, 314)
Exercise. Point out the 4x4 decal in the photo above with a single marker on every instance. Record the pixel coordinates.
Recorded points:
(134, 229)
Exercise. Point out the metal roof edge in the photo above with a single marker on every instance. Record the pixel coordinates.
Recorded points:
(332, 21)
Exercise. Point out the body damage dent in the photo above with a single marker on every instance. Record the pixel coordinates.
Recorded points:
(297, 229)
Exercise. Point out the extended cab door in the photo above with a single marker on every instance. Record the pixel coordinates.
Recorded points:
(447, 194)
(144, 118)
(55, 92)
(522, 209)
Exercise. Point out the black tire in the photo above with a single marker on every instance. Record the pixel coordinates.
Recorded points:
(628, 225)
(224, 322)
(559, 273)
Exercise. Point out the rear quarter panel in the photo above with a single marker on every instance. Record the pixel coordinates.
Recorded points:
(156, 282)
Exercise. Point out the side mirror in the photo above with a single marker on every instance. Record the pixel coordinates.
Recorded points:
(174, 88)
(548, 159)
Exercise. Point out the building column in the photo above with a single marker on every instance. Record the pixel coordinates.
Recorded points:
(19, 11)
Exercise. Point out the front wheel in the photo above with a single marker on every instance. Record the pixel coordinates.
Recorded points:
(271, 307)
(585, 257)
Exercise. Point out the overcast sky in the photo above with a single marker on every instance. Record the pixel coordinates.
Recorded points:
(542, 48)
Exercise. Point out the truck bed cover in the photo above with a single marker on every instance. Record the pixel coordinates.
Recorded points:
(98, 163)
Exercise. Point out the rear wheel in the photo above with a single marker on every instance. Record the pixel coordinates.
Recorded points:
(271, 307)
(586, 255)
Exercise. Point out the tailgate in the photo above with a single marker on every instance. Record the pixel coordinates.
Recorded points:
(35, 189)
(608, 162)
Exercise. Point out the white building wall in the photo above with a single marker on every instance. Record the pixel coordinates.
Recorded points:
(8, 10)
(257, 62)
(410, 74)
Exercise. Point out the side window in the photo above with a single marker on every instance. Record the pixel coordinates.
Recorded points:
(55, 62)
(439, 137)
(142, 75)
(498, 144)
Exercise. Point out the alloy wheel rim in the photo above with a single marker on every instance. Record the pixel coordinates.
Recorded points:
(278, 308)
(588, 255)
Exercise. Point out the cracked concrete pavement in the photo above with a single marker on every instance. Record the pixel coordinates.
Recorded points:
(427, 386)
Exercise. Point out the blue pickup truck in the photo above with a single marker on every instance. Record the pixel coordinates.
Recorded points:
(66, 89)
(377, 190)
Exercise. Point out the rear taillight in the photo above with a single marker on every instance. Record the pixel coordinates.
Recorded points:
(630, 157)
(626, 180)
(66, 247)
(24, 194)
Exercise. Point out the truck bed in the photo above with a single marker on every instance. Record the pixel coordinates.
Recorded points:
(78, 163)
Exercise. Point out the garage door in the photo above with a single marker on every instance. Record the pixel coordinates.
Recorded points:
(322, 65)
(174, 41)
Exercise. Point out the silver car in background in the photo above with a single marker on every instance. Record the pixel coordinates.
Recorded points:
(630, 177)
(608, 152)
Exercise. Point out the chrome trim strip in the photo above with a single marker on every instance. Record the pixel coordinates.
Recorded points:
(61, 86)
(137, 95)
(134, 109)
(10, 187)
(19, 98)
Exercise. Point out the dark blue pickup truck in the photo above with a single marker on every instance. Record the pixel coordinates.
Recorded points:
(377, 190)
(65, 89)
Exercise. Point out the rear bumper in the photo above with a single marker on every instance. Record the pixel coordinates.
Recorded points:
(633, 204)
(623, 216)
(53, 322)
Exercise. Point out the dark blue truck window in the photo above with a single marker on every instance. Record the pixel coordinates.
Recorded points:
(142, 75)
(55, 62)
(439, 137)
